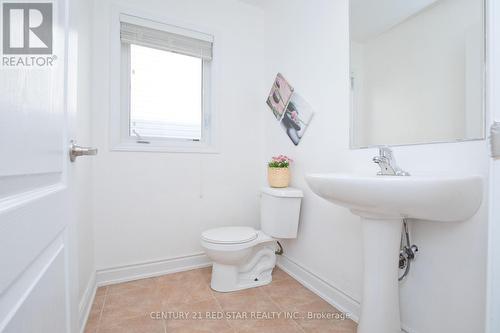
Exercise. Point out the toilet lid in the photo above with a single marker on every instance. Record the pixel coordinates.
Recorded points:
(229, 235)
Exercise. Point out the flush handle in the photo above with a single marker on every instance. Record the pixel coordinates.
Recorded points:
(76, 151)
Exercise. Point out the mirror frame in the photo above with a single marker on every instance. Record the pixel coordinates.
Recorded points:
(485, 6)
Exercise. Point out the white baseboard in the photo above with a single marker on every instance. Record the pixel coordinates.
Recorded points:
(336, 297)
(86, 303)
(150, 269)
(331, 294)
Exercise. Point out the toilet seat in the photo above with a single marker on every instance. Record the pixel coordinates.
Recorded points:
(229, 235)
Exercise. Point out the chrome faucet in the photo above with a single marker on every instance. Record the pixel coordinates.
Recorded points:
(387, 163)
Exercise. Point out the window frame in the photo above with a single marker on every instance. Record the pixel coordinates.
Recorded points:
(121, 140)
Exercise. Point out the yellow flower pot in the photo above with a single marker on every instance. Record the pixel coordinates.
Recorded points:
(278, 177)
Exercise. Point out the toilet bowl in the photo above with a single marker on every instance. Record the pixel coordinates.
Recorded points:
(231, 250)
(244, 257)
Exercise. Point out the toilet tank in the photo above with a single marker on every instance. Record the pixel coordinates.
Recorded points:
(280, 211)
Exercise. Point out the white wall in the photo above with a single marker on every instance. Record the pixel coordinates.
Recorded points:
(153, 206)
(445, 291)
(493, 290)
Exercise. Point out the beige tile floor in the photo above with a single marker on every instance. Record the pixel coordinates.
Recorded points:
(129, 307)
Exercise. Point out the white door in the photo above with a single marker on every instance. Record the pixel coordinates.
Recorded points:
(34, 195)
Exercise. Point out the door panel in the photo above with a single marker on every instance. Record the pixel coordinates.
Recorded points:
(32, 108)
(42, 285)
(26, 229)
(34, 196)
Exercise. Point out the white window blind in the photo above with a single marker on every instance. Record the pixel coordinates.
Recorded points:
(165, 40)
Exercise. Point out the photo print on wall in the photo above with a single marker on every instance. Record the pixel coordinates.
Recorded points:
(280, 95)
(297, 117)
(293, 111)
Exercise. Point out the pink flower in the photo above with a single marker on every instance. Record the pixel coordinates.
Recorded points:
(280, 161)
(282, 158)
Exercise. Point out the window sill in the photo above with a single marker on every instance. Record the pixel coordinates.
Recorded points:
(157, 147)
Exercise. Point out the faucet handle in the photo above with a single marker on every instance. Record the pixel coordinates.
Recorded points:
(386, 152)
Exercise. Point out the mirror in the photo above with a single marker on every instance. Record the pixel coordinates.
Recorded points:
(417, 71)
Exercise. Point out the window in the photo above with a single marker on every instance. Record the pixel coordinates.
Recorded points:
(164, 87)
(165, 94)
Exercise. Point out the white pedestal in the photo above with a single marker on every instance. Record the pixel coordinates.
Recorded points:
(380, 302)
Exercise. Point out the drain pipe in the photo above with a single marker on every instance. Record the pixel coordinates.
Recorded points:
(279, 251)
(407, 252)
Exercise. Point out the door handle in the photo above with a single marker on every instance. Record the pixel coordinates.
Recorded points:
(76, 151)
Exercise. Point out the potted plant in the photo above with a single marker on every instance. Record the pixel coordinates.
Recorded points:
(278, 173)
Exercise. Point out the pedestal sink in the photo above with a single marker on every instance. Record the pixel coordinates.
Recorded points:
(382, 202)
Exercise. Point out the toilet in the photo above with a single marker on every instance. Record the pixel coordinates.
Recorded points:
(244, 257)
